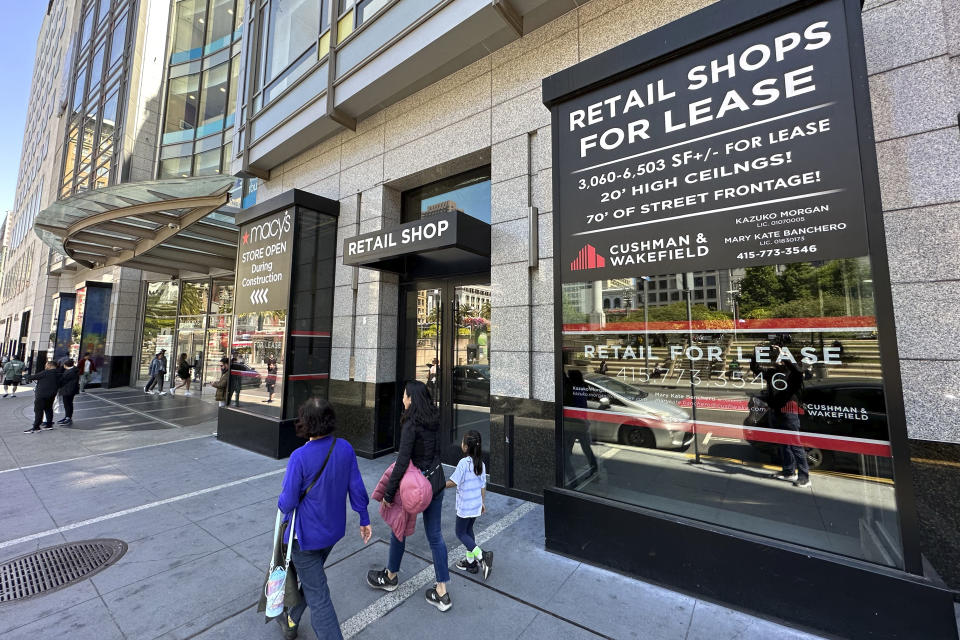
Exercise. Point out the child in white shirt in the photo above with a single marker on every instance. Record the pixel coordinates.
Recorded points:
(470, 479)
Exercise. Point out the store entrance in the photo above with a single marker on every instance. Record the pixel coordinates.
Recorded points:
(445, 343)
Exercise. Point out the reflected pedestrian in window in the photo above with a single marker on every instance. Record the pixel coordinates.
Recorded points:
(784, 388)
(575, 393)
(271, 381)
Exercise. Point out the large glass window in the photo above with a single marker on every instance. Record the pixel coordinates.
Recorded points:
(219, 25)
(257, 362)
(183, 100)
(691, 410)
(292, 29)
(159, 322)
(117, 41)
(213, 105)
(468, 192)
(188, 30)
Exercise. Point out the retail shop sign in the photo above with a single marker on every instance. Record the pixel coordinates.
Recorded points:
(744, 152)
(264, 262)
(433, 232)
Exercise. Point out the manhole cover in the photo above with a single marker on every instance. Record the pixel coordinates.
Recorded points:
(56, 567)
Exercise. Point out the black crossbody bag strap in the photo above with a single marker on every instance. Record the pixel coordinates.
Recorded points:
(322, 467)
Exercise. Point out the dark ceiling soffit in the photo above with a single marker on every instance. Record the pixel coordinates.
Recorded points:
(510, 15)
(672, 40)
(291, 198)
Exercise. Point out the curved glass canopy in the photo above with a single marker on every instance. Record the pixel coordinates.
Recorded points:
(168, 226)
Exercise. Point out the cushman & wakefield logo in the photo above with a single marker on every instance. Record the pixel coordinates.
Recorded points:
(588, 258)
(267, 230)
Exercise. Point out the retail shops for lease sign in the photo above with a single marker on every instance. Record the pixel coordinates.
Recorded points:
(741, 153)
(263, 263)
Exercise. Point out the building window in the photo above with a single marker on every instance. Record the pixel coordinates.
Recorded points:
(292, 28)
(467, 192)
(366, 8)
(825, 320)
(188, 30)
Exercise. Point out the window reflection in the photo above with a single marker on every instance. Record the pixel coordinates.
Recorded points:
(292, 29)
(188, 28)
(467, 192)
(256, 365)
(780, 374)
(182, 105)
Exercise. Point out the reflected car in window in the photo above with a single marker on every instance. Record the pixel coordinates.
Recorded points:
(249, 378)
(850, 409)
(471, 384)
(636, 418)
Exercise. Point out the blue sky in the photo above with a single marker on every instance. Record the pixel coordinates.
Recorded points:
(18, 44)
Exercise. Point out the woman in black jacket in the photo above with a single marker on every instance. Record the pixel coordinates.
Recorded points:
(69, 388)
(420, 444)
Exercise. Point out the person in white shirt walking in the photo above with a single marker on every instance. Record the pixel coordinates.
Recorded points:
(470, 479)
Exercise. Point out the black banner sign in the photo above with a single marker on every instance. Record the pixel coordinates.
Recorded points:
(741, 153)
(264, 260)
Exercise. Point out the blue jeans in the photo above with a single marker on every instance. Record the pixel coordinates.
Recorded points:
(794, 456)
(313, 584)
(431, 526)
(465, 532)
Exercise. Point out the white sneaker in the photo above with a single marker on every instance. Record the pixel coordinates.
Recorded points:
(172, 393)
(155, 392)
(188, 393)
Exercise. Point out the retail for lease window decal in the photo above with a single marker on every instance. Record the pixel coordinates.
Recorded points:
(741, 153)
(717, 294)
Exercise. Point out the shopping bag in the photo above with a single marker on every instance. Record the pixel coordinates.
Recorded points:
(58, 404)
(281, 579)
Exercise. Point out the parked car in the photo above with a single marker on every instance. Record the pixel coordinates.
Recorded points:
(641, 421)
(471, 384)
(866, 396)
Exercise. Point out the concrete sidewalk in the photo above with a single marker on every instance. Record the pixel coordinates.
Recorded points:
(198, 517)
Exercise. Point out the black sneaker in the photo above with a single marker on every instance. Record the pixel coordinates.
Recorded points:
(468, 566)
(61, 420)
(32, 430)
(486, 563)
(289, 627)
(380, 580)
(5, 395)
(802, 482)
(48, 426)
(67, 422)
(440, 602)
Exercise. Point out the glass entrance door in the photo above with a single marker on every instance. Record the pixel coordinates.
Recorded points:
(446, 345)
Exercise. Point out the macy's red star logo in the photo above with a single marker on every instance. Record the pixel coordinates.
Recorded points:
(246, 236)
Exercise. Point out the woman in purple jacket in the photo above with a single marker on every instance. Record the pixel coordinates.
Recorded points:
(321, 519)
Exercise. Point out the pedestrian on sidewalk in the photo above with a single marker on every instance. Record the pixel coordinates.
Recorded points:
(86, 369)
(470, 479)
(183, 372)
(223, 384)
(12, 375)
(420, 444)
(69, 388)
(47, 384)
(158, 371)
(320, 477)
